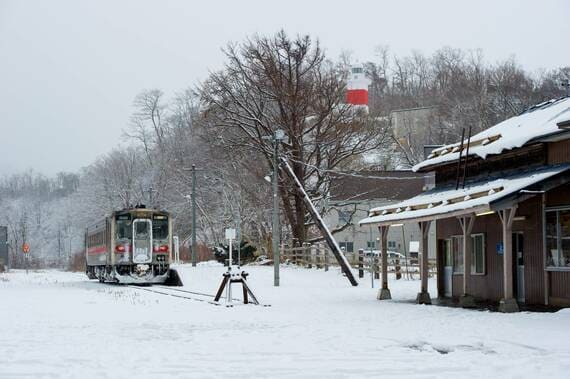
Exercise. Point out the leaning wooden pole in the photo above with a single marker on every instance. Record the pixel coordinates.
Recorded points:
(341, 259)
(459, 160)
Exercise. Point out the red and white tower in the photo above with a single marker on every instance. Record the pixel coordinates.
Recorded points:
(357, 87)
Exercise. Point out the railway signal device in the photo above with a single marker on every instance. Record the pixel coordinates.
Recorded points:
(236, 276)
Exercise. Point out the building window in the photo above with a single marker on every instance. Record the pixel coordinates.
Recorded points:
(558, 238)
(344, 217)
(478, 254)
(457, 251)
(371, 245)
(348, 247)
(392, 245)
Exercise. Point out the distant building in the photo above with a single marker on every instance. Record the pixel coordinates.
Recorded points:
(414, 129)
(413, 120)
(352, 197)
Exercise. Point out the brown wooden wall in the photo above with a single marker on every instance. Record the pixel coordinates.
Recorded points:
(558, 152)
(559, 196)
(490, 285)
(559, 281)
(532, 156)
(533, 249)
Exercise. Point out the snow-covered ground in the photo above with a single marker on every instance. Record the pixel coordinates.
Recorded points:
(58, 324)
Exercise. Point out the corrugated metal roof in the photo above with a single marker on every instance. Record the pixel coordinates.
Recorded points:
(445, 202)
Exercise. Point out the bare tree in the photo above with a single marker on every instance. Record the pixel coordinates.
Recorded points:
(276, 82)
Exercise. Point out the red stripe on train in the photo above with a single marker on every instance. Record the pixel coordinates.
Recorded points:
(97, 250)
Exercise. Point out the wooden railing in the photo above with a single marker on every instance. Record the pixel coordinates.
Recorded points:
(320, 257)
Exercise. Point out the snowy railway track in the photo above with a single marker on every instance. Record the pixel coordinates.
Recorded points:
(184, 294)
(178, 293)
(186, 291)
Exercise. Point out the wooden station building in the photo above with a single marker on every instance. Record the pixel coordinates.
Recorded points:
(502, 205)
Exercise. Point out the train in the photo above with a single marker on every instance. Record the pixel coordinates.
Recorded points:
(131, 246)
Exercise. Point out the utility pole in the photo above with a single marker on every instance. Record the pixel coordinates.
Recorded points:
(275, 229)
(565, 83)
(238, 229)
(194, 246)
(59, 246)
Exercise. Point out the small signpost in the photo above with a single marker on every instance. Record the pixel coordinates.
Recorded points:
(26, 251)
(500, 248)
(176, 243)
(234, 277)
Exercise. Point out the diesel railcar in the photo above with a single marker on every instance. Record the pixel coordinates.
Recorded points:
(131, 246)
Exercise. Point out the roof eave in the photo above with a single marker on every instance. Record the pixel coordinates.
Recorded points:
(434, 217)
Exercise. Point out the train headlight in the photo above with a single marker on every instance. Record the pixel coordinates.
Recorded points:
(142, 269)
(160, 248)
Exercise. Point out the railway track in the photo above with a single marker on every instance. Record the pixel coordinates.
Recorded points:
(178, 293)
(184, 294)
(186, 291)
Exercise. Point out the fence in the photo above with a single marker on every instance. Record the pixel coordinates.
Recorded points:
(319, 256)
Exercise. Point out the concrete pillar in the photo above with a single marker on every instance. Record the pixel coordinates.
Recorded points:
(384, 292)
(466, 222)
(508, 303)
(423, 296)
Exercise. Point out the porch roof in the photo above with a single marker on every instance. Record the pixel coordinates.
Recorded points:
(537, 122)
(477, 197)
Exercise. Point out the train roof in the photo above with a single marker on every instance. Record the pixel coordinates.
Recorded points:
(134, 210)
(139, 210)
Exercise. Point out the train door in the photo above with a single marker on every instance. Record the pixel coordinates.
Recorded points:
(518, 260)
(142, 241)
(447, 269)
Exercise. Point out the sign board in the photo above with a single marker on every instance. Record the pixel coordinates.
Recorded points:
(414, 246)
(500, 248)
(25, 248)
(230, 234)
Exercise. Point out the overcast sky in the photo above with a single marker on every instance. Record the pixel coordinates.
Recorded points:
(69, 70)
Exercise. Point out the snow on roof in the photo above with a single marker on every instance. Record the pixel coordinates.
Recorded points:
(444, 202)
(538, 121)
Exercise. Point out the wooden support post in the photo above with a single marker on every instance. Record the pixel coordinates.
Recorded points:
(466, 223)
(325, 256)
(508, 303)
(384, 292)
(222, 287)
(376, 268)
(423, 296)
(361, 263)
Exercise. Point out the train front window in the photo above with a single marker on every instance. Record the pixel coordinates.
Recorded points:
(124, 227)
(160, 228)
(141, 229)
